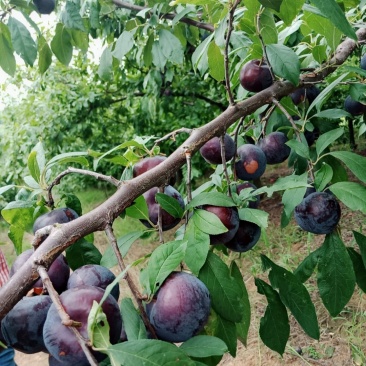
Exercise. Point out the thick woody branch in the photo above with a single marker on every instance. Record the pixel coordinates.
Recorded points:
(96, 220)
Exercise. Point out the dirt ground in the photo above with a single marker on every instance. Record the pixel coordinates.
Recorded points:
(333, 348)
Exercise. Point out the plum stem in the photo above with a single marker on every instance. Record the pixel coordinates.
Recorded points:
(223, 157)
(160, 219)
(134, 290)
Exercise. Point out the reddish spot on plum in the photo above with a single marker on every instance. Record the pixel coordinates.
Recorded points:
(180, 308)
(252, 162)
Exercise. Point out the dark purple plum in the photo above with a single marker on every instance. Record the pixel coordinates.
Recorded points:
(180, 308)
(59, 271)
(312, 136)
(93, 275)
(54, 362)
(255, 76)
(22, 327)
(229, 217)
(61, 342)
(305, 94)
(245, 185)
(353, 107)
(169, 221)
(274, 147)
(363, 62)
(211, 150)
(246, 237)
(57, 216)
(252, 162)
(148, 163)
(318, 213)
(44, 6)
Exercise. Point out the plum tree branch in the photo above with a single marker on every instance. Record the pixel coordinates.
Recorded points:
(66, 234)
(171, 16)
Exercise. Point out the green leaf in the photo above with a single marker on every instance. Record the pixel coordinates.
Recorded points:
(71, 17)
(359, 268)
(148, 51)
(361, 242)
(354, 162)
(290, 10)
(211, 198)
(22, 40)
(33, 166)
(308, 265)
(224, 290)
(336, 277)
(336, 15)
(332, 114)
(61, 44)
(327, 139)
(171, 47)
(98, 327)
(295, 296)
(109, 259)
(284, 61)
(7, 59)
(163, 261)
(290, 199)
(274, 327)
(124, 44)
(208, 222)
(258, 217)
(216, 62)
(105, 69)
(44, 55)
(138, 209)
(132, 322)
(69, 157)
(323, 176)
(268, 28)
(82, 253)
(198, 244)
(204, 346)
(170, 205)
(352, 194)
(6, 188)
(300, 148)
(149, 352)
(199, 56)
(272, 4)
(226, 331)
(242, 328)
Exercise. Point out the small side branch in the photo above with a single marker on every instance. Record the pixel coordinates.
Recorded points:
(171, 135)
(40, 235)
(98, 176)
(134, 290)
(223, 157)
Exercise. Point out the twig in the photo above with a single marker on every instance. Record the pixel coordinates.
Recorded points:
(160, 219)
(98, 176)
(206, 26)
(134, 290)
(226, 52)
(189, 175)
(173, 134)
(65, 318)
(40, 234)
(236, 134)
(223, 157)
(288, 116)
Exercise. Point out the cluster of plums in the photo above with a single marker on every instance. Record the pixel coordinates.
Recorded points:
(178, 311)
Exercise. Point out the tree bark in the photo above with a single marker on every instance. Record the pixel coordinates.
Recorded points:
(62, 236)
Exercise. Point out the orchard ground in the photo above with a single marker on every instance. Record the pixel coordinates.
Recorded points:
(342, 339)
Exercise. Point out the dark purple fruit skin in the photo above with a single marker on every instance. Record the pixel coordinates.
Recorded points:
(353, 107)
(255, 76)
(274, 147)
(180, 308)
(246, 237)
(54, 362)
(59, 271)
(149, 163)
(229, 217)
(44, 6)
(252, 162)
(318, 213)
(211, 150)
(363, 62)
(169, 221)
(302, 94)
(22, 327)
(93, 275)
(61, 342)
(58, 216)
(245, 185)
(312, 136)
